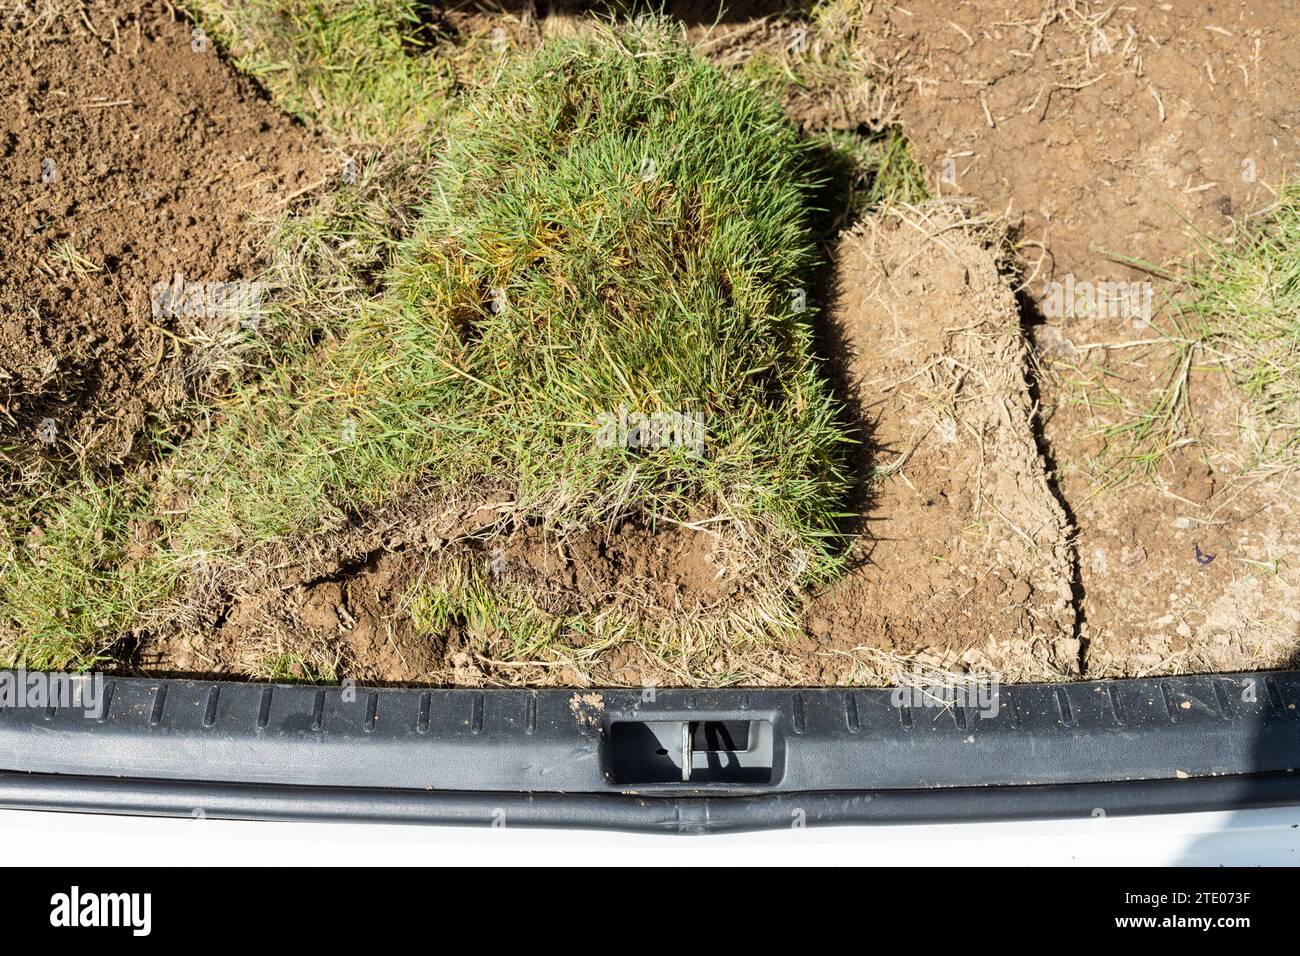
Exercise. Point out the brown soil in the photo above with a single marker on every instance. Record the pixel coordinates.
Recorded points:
(1099, 129)
(1102, 131)
(151, 158)
(1194, 569)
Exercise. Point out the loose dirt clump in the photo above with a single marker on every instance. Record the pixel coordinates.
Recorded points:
(964, 559)
(330, 605)
(344, 625)
(132, 153)
(659, 572)
(587, 709)
(341, 603)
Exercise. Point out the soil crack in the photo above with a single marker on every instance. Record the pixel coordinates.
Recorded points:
(1030, 318)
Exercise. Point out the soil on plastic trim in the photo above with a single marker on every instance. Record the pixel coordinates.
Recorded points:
(130, 141)
(983, 548)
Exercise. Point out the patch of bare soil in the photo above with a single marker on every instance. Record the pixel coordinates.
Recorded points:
(965, 559)
(1100, 129)
(131, 153)
(334, 602)
(1194, 570)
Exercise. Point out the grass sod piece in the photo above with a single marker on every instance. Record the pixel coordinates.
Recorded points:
(667, 285)
(360, 70)
(615, 225)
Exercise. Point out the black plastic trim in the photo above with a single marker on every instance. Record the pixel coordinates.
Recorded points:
(688, 815)
(848, 755)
